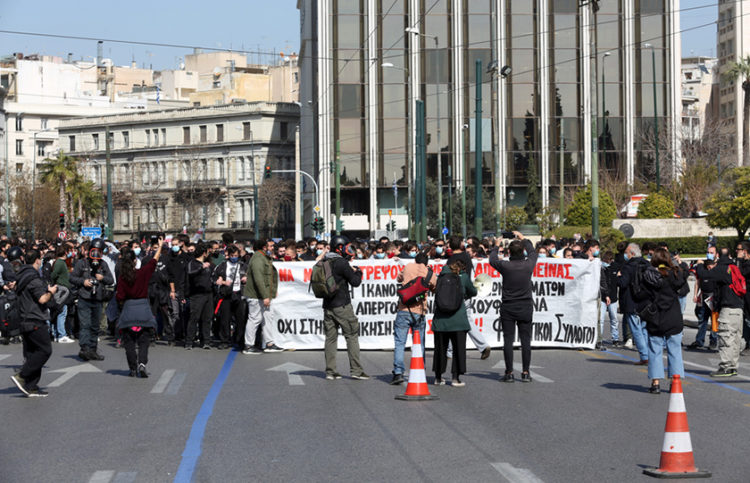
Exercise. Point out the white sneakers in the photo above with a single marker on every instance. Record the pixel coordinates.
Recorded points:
(629, 344)
(65, 340)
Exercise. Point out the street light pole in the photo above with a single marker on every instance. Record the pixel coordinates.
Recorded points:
(594, 108)
(478, 149)
(604, 107)
(656, 125)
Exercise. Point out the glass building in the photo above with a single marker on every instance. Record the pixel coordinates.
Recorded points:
(364, 63)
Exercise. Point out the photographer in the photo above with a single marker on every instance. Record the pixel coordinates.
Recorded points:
(89, 276)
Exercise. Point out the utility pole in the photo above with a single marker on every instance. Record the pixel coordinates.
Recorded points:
(421, 198)
(110, 214)
(4, 114)
(594, 106)
(337, 174)
(478, 153)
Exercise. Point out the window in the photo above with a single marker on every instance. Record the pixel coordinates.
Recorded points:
(284, 130)
(125, 139)
(156, 137)
(95, 139)
(241, 168)
(19, 123)
(220, 168)
(202, 130)
(246, 132)
(111, 140)
(19, 168)
(163, 136)
(219, 133)
(204, 170)
(148, 137)
(163, 172)
(19, 147)
(186, 135)
(43, 122)
(72, 143)
(220, 211)
(41, 149)
(125, 217)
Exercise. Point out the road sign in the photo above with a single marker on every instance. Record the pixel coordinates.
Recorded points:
(62, 235)
(91, 232)
(445, 230)
(316, 209)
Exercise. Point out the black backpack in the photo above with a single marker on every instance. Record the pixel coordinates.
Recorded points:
(638, 288)
(449, 293)
(10, 317)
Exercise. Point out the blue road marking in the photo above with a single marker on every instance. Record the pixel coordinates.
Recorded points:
(694, 376)
(192, 451)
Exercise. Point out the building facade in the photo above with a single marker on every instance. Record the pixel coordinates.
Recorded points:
(187, 169)
(365, 63)
(700, 95)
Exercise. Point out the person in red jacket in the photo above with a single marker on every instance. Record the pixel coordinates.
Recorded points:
(136, 323)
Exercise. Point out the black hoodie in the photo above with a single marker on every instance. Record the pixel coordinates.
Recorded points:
(30, 288)
(726, 298)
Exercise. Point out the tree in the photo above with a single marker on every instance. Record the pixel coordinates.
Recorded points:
(741, 70)
(533, 200)
(579, 212)
(729, 207)
(275, 195)
(57, 173)
(656, 206)
(85, 198)
(46, 213)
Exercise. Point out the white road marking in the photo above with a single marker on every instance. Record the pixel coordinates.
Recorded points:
(290, 368)
(176, 383)
(69, 372)
(515, 475)
(534, 375)
(709, 368)
(102, 477)
(161, 384)
(125, 477)
(4, 356)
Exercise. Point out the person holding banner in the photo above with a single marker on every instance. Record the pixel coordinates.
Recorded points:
(518, 302)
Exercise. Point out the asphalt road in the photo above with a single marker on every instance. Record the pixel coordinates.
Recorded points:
(221, 416)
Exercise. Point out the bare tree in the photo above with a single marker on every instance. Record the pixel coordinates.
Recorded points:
(197, 192)
(275, 195)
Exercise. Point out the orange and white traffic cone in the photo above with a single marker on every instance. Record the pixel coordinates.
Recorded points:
(417, 389)
(677, 451)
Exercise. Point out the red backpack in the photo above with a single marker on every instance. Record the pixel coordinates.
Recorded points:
(416, 290)
(738, 281)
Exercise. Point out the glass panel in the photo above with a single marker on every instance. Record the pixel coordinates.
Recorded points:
(348, 6)
(608, 31)
(471, 55)
(397, 73)
(477, 6)
(612, 99)
(352, 169)
(521, 31)
(564, 6)
(652, 30)
(394, 135)
(347, 31)
(651, 6)
(647, 63)
(394, 165)
(646, 106)
(431, 128)
(521, 6)
(437, 93)
(350, 135)
(521, 99)
(610, 134)
(609, 7)
(348, 66)
(437, 66)
(522, 62)
(567, 131)
(437, 6)
(565, 100)
(565, 65)
(437, 25)
(392, 29)
(349, 100)
(521, 134)
(479, 31)
(394, 100)
(565, 34)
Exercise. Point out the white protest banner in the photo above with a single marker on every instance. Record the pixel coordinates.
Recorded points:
(565, 305)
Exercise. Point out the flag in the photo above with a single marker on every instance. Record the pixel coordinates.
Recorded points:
(158, 91)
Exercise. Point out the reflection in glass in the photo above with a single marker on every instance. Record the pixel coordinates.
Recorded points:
(564, 30)
(349, 100)
(521, 99)
(350, 135)
(395, 135)
(352, 169)
(393, 165)
(393, 99)
(347, 31)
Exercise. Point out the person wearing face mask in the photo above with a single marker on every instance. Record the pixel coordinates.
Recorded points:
(199, 290)
(541, 252)
(61, 277)
(609, 298)
(261, 287)
(630, 306)
(438, 251)
(379, 252)
(230, 278)
(89, 276)
(591, 252)
(176, 271)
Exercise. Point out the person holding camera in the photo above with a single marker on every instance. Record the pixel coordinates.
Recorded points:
(90, 276)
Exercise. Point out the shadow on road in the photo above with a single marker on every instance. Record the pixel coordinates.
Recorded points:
(625, 387)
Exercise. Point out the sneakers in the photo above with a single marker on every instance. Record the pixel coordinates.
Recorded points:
(641, 363)
(654, 389)
(508, 377)
(713, 345)
(273, 348)
(486, 353)
(333, 376)
(695, 346)
(132, 373)
(142, 372)
(206, 347)
(361, 377)
(83, 355)
(616, 344)
(439, 382)
(37, 393)
(629, 344)
(458, 383)
(20, 383)
(525, 377)
(94, 356)
(252, 350)
(600, 346)
(727, 372)
(65, 340)
(397, 379)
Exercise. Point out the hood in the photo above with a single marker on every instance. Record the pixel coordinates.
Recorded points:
(24, 276)
(331, 255)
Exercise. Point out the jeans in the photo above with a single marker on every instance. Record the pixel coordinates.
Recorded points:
(703, 321)
(610, 310)
(61, 322)
(683, 303)
(640, 336)
(404, 322)
(656, 345)
(89, 314)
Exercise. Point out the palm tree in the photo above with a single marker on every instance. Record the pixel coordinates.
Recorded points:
(741, 70)
(57, 173)
(85, 198)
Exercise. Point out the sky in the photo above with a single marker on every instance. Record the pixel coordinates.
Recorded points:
(249, 25)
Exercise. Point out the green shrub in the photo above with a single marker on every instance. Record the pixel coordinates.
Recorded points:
(693, 245)
(515, 216)
(656, 206)
(579, 212)
(608, 237)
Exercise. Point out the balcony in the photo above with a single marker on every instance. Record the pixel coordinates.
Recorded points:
(242, 225)
(120, 187)
(201, 183)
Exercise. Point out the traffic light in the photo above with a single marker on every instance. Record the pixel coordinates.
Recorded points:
(391, 226)
(79, 225)
(317, 224)
(267, 172)
(62, 221)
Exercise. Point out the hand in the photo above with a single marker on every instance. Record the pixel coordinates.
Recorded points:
(518, 235)
(87, 283)
(267, 302)
(52, 289)
(695, 299)
(172, 295)
(619, 274)
(220, 281)
(99, 276)
(609, 301)
(206, 264)
(243, 280)
(228, 283)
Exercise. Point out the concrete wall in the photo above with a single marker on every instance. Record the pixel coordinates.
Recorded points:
(670, 228)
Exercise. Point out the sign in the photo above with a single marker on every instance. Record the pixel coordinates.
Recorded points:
(316, 209)
(445, 230)
(631, 208)
(62, 235)
(91, 232)
(565, 293)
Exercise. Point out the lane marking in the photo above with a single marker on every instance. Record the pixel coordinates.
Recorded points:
(176, 383)
(125, 477)
(164, 379)
(192, 451)
(519, 367)
(4, 356)
(740, 365)
(290, 368)
(516, 475)
(69, 372)
(102, 476)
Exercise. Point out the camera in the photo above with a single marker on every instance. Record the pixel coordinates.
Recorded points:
(94, 285)
(507, 235)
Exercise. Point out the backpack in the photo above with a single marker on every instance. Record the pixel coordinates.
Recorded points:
(322, 282)
(449, 293)
(738, 284)
(415, 291)
(638, 288)
(10, 317)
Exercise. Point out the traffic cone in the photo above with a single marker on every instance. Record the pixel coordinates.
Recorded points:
(677, 451)
(416, 389)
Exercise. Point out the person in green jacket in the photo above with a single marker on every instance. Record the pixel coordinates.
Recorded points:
(61, 277)
(261, 287)
(452, 327)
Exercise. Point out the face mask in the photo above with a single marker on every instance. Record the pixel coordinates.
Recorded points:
(552, 250)
(269, 253)
(413, 254)
(626, 257)
(137, 251)
(175, 248)
(94, 263)
(380, 255)
(525, 253)
(710, 256)
(318, 252)
(605, 264)
(71, 254)
(439, 250)
(648, 257)
(360, 256)
(596, 252)
(234, 259)
(542, 255)
(215, 255)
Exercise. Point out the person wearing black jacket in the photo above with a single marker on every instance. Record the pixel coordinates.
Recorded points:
(664, 280)
(518, 302)
(35, 297)
(229, 278)
(158, 291)
(89, 276)
(200, 289)
(609, 297)
(338, 312)
(743, 261)
(630, 307)
(176, 271)
(730, 307)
